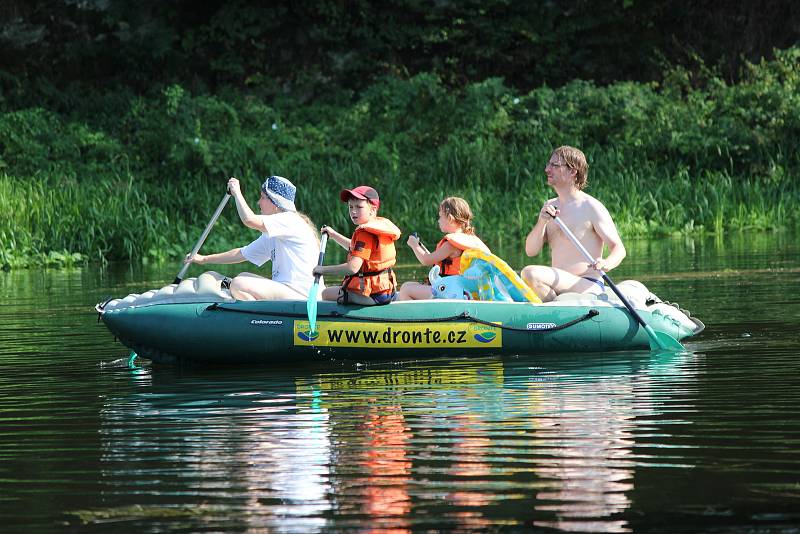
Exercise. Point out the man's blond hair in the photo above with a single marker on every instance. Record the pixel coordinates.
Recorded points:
(574, 158)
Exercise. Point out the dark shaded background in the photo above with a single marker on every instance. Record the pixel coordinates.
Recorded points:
(305, 47)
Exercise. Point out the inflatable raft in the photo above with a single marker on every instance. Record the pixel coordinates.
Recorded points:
(197, 321)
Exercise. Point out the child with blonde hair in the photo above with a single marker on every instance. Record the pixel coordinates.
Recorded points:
(455, 220)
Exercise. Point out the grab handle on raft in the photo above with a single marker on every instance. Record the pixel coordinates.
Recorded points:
(658, 340)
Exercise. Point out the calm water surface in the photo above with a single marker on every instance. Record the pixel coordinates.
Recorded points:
(707, 441)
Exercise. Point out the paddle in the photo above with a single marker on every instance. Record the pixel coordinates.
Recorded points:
(424, 248)
(311, 303)
(658, 340)
(203, 237)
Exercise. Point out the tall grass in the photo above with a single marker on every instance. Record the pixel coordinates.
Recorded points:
(135, 178)
(130, 220)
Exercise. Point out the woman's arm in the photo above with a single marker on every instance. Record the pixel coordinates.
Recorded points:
(247, 216)
(222, 258)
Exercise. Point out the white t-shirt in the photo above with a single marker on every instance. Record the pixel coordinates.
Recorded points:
(291, 246)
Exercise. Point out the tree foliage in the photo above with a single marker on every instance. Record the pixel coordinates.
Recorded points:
(306, 47)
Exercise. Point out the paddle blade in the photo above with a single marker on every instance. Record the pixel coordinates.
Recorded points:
(311, 303)
(663, 341)
(311, 307)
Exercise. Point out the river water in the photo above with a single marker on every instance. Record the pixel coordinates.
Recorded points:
(707, 440)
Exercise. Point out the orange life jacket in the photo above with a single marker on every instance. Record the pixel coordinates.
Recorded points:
(376, 275)
(462, 242)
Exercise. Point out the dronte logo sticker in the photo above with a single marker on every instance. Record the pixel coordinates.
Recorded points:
(409, 335)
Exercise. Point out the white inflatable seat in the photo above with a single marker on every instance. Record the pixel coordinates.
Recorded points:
(186, 287)
(636, 293)
(204, 288)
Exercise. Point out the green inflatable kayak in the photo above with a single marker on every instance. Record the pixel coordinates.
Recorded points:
(196, 321)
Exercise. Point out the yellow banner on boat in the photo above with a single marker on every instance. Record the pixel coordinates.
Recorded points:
(393, 335)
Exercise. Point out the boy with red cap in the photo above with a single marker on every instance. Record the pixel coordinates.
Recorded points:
(369, 278)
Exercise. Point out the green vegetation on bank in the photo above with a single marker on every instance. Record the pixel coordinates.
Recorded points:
(121, 176)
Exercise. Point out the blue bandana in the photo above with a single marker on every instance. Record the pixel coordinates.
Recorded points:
(281, 191)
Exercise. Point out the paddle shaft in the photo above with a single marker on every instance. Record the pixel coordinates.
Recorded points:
(608, 281)
(323, 242)
(203, 237)
(424, 248)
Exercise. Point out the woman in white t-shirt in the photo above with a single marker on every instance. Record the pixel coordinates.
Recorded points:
(288, 239)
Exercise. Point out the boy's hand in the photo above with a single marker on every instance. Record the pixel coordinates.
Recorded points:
(413, 241)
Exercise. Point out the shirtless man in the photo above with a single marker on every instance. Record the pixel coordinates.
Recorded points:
(588, 219)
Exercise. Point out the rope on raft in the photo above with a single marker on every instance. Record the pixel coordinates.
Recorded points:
(464, 316)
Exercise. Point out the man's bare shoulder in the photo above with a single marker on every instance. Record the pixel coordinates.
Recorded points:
(586, 197)
(594, 204)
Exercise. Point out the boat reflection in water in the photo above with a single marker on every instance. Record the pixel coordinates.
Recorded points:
(585, 462)
(467, 444)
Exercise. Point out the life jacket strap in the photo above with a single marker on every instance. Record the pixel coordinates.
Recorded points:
(362, 274)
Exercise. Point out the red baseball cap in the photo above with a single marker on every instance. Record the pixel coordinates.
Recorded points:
(364, 192)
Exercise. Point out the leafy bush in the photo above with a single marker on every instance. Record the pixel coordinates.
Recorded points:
(136, 176)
